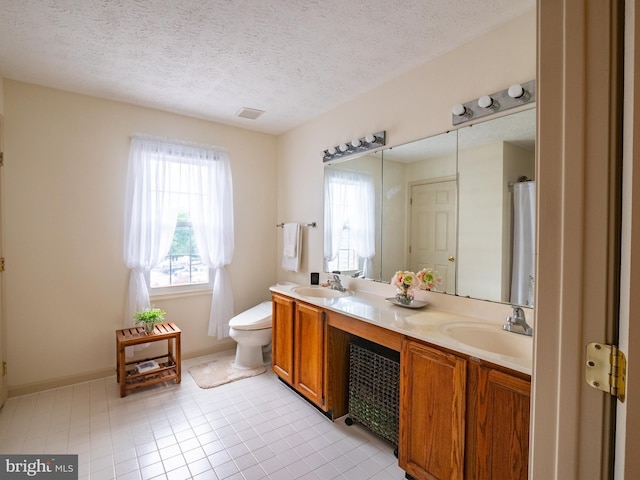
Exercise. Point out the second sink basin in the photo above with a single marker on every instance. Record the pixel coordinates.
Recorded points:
(490, 338)
(320, 292)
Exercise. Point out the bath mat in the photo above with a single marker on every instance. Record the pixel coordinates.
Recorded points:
(220, 370)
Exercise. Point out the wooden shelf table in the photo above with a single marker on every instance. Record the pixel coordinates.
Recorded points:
(169, 368)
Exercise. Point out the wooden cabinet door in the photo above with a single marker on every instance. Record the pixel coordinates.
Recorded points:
(502, 449)
(432, 412)
(309, 352)
(282, 338)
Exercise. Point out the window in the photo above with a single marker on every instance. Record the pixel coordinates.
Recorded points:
(182, 266)
(179, 223)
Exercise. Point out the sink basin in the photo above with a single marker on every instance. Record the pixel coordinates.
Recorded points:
(490, 338)
(320, 292)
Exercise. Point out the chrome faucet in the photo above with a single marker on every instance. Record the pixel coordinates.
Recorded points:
(335, 284)
(516, 323)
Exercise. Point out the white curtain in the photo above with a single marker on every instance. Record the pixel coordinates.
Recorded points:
(163, 175)
(350, 200)
(524, 236)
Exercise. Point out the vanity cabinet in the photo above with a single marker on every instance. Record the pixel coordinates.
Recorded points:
(282, 337)
(461, 418)
(432, 412)
(502, 425)
(298, 347)
(308, 351)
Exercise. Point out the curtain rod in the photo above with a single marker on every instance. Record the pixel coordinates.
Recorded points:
(177, 142)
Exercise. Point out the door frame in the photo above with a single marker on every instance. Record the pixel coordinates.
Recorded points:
(4, 389)
(628, 413)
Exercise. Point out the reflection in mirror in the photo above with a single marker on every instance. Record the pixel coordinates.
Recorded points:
(419, 208)
(352, 202)
(496, 165)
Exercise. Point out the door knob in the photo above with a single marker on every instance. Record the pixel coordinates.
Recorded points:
(451, 259)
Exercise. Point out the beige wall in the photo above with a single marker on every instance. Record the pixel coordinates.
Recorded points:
(414, 106)
(66, 163)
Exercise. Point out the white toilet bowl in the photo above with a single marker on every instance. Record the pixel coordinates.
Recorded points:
(251, 330)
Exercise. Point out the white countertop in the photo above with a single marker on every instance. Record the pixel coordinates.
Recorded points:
(423, 324)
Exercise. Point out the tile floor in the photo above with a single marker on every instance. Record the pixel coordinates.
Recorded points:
(251, 429)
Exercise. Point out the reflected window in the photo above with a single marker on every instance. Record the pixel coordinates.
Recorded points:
(349, 243)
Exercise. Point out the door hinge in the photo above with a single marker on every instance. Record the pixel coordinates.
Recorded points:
(4, 368)
(1, 264)
(1, 159)
(606, 369)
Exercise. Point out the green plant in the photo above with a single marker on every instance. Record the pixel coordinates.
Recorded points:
(150, 316)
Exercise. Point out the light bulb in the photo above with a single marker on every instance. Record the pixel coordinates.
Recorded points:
(370, 138)
(516, 91)
(332, 150)
(485, 101)
(343, 147)
(355, 143)
(459, 110)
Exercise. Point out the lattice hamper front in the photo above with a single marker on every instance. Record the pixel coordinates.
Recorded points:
(374, 390)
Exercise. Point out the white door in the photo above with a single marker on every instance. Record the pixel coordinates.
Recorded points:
(433, 230)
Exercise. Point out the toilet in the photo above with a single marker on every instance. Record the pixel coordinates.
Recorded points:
(252, 331)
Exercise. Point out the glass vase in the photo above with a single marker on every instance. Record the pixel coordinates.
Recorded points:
(404, 298)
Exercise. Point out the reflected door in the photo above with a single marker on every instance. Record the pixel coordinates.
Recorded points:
(433, 230)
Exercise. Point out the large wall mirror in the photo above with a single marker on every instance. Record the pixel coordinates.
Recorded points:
(496, 212)
(462, 202)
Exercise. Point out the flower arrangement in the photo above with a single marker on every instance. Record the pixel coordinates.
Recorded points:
(428, 278)
(406, 282)
(149, 317)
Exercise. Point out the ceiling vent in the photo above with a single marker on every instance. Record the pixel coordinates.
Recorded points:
(250, 113)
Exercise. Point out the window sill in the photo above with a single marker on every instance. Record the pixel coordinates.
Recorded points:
(183, 294)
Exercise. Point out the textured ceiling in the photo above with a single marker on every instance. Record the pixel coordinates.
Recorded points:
(294, 59)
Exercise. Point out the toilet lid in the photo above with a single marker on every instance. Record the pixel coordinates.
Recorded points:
(255, 318)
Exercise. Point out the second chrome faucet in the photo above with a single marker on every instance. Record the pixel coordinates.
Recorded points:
(517, 323)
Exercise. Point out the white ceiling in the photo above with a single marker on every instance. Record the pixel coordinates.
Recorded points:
(294, 59)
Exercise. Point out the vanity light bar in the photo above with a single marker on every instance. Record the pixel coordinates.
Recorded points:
(357, 145)
(514, 96)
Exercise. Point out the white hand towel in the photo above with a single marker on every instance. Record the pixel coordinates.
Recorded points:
(290, 239)
(292, 247)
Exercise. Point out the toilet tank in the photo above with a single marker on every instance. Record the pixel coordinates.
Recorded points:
(255, 318)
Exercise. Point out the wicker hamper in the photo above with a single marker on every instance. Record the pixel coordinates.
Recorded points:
(374, 390)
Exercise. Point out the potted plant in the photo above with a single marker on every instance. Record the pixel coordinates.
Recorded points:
(150, 317)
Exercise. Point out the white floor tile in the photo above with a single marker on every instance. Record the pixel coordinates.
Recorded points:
(252, 429)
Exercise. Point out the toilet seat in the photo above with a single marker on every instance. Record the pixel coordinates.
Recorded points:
(256, 318)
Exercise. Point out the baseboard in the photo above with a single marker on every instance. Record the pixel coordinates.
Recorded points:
(29, 388)
(36, 387)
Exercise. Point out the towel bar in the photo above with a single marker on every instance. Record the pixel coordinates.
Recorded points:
(312, 225)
